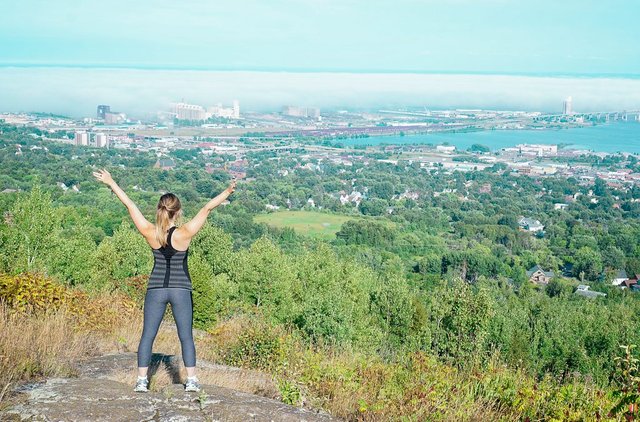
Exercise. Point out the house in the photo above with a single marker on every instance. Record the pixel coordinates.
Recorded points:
(530, 224)
(583, 290)
(355, 197)
(628, 283)
(164, 164)
(621, 277)
(631, 284)
(539, 276)
(485, 188)
(409, 195)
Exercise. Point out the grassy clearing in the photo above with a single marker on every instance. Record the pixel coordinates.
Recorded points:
(316, 224)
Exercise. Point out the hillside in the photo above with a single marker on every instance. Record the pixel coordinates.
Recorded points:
(418, 303)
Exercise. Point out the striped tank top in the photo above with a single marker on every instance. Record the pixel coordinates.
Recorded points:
(169, 267)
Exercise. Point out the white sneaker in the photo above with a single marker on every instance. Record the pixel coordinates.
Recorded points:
(192, 384)
(142, 385)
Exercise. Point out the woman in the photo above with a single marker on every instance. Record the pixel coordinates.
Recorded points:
(169, 281)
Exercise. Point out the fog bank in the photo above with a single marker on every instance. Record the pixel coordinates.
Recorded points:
(141, 93)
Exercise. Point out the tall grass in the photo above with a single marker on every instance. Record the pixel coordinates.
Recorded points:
(33, 346)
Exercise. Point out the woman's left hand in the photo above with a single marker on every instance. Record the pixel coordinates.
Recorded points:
(104, 176)
(232, 186)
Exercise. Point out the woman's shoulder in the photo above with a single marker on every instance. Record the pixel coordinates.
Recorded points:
(180, 239)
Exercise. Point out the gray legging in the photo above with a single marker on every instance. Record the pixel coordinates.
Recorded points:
(155, 303)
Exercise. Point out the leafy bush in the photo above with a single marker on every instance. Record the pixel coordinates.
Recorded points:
(627, 378)
(31, 292)
(250, 342)
(35, 293)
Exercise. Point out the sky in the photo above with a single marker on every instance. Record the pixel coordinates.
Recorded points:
(542, 38)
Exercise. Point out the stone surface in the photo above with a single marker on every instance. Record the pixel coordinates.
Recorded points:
(94, 397)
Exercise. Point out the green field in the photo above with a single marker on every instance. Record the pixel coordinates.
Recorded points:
(311, 223)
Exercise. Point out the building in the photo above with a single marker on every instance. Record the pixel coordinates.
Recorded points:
(114, 118)
(446, 148)
(537, 149)
(539, 276)
(530, 224)
(219, 111)
(631, 284)
(567, 106)
(583, 290)
(295, 111)
(82, 138)
(236, 109)
(164, 164)
(184, 111)
(101, 140)
(313, 112)
(621, 277)
(485, 188)
(103, 110)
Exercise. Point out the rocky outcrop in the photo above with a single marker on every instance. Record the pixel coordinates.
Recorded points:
(96, 395)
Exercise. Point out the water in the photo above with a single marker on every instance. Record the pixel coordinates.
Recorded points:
(611, 137)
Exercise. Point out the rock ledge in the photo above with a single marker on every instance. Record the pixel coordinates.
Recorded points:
(94, 397)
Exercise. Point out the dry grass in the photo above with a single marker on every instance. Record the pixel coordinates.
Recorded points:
(33, 346)
(167, 342)
(252, 382)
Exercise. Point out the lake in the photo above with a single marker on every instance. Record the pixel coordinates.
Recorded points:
(610, 137)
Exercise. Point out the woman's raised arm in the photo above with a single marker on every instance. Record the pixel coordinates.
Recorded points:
(191, 227)
(142, 224)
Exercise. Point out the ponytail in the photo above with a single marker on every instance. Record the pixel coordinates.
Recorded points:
(168, 207)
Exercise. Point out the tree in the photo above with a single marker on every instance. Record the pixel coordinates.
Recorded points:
(373, 206)
(74, 259)
(382, 190)
(34, 225)
(479, 148)
(266, 279)
(587, 262)
(364, 232)
(125, 254)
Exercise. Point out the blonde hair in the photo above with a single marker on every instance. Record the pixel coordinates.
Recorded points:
(169, 206)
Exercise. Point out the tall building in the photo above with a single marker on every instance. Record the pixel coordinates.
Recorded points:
(103, 110)
(101, 140)
(294, 111)
(114, 118)
(236, 109)
(219, 111)
(567, 106)
(313, 112)
(82, 138)
(184, 111)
